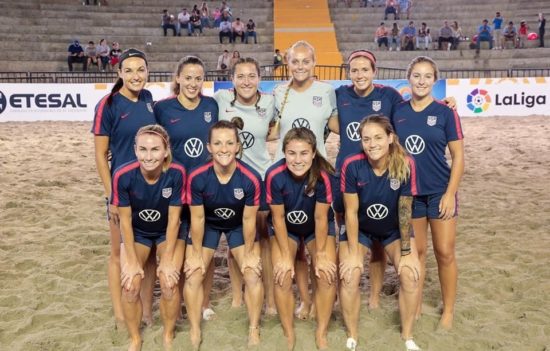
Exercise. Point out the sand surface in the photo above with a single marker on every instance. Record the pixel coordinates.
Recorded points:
(54, 246)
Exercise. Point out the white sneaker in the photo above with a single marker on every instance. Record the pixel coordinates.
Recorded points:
(351, 344)
(410, 345)
(208, 314)
(398, 49)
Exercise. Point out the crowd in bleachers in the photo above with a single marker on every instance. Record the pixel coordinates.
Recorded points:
(102, 55)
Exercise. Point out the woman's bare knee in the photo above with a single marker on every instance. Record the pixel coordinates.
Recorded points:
(131, 295)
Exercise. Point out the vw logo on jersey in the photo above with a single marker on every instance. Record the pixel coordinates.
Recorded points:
(300, 122)
(149, 107)
(208, 117)
(394, 184)
(352, 131)
(414, 144)
(317, 101)
(224, 213)
(193, 147)
(238, 193)
(431, 121)
(247, 139)
(296, 217)
(166, 193)
(376, 105)
(149, 215)
(377, 211)
(3, 102)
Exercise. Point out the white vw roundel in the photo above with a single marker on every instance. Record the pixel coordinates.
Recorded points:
(352, 131)
(300, 122)
(193, 147)
(377, 211)
(224, 213)
(414, 144)
(149, 215)
(297, 217)
(247, 139)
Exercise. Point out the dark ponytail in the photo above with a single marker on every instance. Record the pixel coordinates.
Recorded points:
(319, 163)
(118, 85)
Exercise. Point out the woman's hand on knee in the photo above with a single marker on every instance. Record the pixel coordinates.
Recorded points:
(171, 274)
(128, 272)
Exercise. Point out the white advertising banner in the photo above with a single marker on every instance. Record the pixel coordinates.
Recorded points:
(501, 96)
(63, 102)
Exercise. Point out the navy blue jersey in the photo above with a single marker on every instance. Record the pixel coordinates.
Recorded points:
(426, 135)
(352, 108)
(188, 129)
(378, 195)
(224, 203)
(283, 189)
(149, 202)
(120, 121)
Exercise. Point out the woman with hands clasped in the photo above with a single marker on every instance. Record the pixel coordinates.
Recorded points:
(378, 186)
(299, 193)
(148, 194)
(224, 197)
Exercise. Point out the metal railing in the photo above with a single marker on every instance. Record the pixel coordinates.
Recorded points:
(269, 72)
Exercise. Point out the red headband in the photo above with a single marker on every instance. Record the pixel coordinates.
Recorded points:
(362, 53)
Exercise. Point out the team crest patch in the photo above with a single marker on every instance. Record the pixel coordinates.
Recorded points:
(239, 193)
(376, 105)
(317, 101)
(311, 192)
(149, 107)
(394, 184)
(432, 120)
(262, 112)
(166, 192)
(208, 117)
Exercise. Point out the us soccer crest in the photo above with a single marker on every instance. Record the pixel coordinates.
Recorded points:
(239, 193)
(166, 192)
(317, 101)
(311, 192)
(149, 107)
(376, 105)
(394, 184)
(432, 120)
(208, 117)
(262, 112)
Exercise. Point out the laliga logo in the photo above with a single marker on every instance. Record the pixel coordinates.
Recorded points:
(478, 100)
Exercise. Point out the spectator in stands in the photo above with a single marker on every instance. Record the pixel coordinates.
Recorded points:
(251, 31)
(226, 16)
(390, 8)
(225, 31)
(224, 62)
(509, 33)
(523, 32)
(457, 35)
(205, 15)
(114, 55)
(277, 58)
(75, 53)
(404, 6)
(195, 23)
(184, 18)
(168, 22)
(381, 36)
(484, 34)
(91, 54)
(445, 36)
(238, 30)
(408, 37)
(236, 56)
(217, 17)
(226, 8)
(395, 37)
(497, 28)
(103, 51)
(542, 25)
(424, 37)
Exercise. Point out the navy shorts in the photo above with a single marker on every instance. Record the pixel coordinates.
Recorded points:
(306, 238)
(368, 239)
(150, 240)
(428, 206)
(211, 239)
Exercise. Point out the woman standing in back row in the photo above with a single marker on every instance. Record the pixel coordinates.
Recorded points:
(428, 127)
